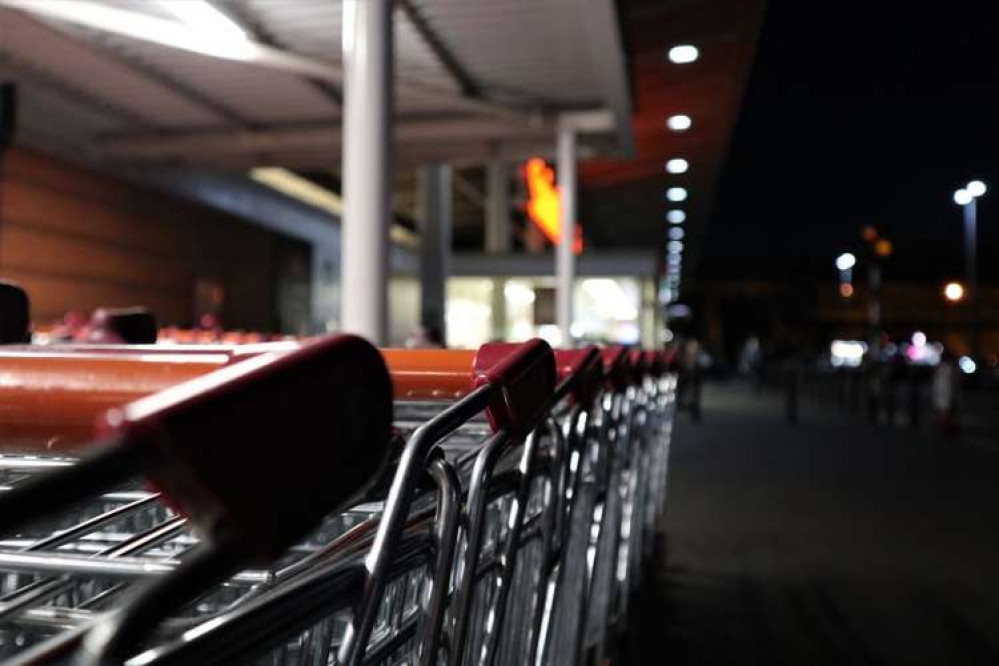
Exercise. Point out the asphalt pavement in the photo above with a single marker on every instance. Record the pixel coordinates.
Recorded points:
(829, 542)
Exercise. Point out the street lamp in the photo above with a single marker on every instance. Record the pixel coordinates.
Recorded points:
(845, 263)
(953, 291)
(967, 199)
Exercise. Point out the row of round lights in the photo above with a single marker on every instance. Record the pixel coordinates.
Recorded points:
(679, 54)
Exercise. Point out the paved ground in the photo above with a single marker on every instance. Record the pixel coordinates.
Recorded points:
(832, 542)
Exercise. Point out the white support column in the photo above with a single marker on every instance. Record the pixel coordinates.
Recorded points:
(565, 260)
(434, 183)
(367, 113)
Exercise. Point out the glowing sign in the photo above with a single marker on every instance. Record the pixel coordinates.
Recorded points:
(543, 205)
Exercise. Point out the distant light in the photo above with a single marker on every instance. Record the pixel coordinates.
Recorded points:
(919, 339)
(682, 54)
(963, 197)
(676, 216)
(975, 188)
(883, 248)
(679, 310)
(551, 334)
(677, 165)
(849, 353)
(675, 245)
(967, 365)
(676, 194)
(846, 289)
(518, 294)
(954, 291)
(845, 261)
(676, 233)
(679, 122)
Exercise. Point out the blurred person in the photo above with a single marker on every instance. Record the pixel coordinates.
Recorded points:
(943, 393)
(689, 361)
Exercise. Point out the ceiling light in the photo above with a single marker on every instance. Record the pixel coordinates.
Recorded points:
(679, 123)
(677, 165)
(676, 233)
(676, 216)
(204, 17)
(963, 197)
(201, 28)
(681, 54)
(676, 194)
(675, 245)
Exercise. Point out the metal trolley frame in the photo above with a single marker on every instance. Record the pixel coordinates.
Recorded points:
(514, 524)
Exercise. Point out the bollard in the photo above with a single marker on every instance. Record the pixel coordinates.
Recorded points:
(793, 384)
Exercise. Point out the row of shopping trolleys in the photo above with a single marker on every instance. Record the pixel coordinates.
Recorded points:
(326, 502)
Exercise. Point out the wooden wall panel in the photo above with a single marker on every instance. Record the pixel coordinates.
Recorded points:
(76, 240)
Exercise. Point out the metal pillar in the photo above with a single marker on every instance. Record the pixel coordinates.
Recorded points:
(971, 268)
(497, 209)
(434, 183)
(564, 259)
(498, 240)
(970, 244)
(367, 113)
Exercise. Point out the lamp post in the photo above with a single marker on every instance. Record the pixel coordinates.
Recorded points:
(845, 263)
(967, 198)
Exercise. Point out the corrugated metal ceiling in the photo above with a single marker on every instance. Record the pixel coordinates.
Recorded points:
(525, 58)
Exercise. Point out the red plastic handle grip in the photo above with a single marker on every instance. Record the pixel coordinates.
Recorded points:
(617, 370)
(656, 362)
(263, 449)
(584, 367)
(525, 374)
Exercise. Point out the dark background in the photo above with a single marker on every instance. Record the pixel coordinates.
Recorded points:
(862, 113)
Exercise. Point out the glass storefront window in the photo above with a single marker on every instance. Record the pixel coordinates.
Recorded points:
(607, 309)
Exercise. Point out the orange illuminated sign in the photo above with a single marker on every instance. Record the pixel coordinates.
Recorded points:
(543, 204)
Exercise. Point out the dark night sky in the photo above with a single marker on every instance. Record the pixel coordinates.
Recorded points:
(862, 112)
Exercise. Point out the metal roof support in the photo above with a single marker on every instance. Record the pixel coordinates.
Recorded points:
(609, 62)
(498, 236)
(434, 194)
(565, 260)
(497, 208)
(367, 60)
(444, 56)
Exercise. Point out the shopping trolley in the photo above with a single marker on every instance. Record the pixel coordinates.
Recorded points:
(485, 498)
(503, 390)
(208, 444)
(501, 545)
